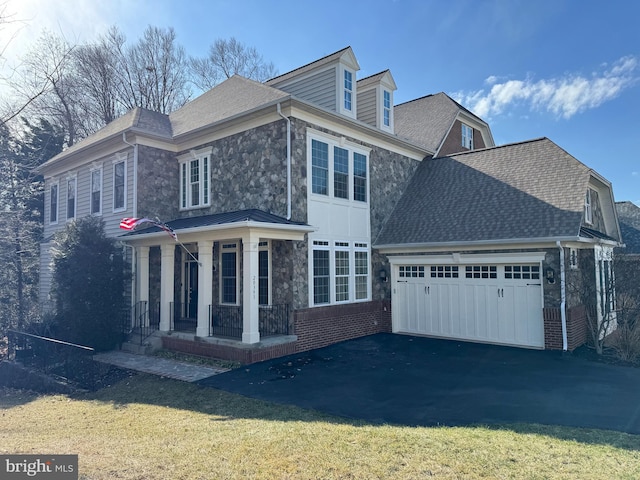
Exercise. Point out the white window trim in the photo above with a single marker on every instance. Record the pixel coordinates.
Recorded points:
(332, 248)
(71, 178)
(387, 128)
(224, 249)
(54, 183)
(468, 137)
(120, 158)
(94, 169)
(345, 144)
(265, 246)
(186, 159)
(588, 208)
(340, 92)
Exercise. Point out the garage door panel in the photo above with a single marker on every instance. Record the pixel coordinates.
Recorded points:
(483, 304)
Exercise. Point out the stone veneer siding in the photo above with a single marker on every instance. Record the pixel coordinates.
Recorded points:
(158, 184)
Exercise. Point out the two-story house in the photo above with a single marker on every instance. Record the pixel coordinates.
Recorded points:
(310, 209)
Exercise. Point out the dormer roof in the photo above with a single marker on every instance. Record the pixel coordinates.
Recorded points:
(382, 78)
(345, 56)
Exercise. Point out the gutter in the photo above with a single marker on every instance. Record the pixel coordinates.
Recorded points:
(288, 161)
(563, 298)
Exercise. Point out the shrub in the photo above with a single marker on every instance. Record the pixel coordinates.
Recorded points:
(626, 342)
(88, 284)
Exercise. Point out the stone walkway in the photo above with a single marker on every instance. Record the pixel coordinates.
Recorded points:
(186, 372)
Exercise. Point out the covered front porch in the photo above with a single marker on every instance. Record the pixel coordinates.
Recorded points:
(227, 276)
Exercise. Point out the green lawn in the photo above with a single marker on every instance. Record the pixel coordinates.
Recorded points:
(151, 428)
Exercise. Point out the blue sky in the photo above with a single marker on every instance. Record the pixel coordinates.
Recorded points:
(564, 69)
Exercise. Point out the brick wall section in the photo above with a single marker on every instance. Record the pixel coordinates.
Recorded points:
(576, 328)
(243, 354)
(322, 326)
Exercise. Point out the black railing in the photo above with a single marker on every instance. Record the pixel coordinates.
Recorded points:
(183, 317)
(274, 320)
(55, 357)
(225, 321)
(143, 321)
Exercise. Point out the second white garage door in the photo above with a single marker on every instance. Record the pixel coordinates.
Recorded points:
(492, 303)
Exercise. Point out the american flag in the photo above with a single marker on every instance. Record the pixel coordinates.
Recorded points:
(131, 223)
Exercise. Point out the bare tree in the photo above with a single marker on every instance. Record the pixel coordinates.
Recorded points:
(227, 58)
(153, 72)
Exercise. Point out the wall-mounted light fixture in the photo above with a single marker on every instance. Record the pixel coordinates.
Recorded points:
(383, 275)
(550, 275)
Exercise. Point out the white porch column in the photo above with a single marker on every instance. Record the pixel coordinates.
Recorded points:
(205, 285)
(250, 312)
(166, 285)
(143, 278)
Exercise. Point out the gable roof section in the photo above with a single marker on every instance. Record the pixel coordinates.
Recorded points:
(332, 57)
(383, 77)
(524, 191)
(426, 120)
(629, 219)
(137, 119)
(232, 97)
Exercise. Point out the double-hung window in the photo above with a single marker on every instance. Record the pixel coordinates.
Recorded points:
(386, 108)
(194, 179)
(263, 273)
(348, 90)
(119, 185)
(467, 136)
(53, 203)
(229, 273)
(96, 191)
(588, 209)
(72, 185)
(340, 272)
(346, 167)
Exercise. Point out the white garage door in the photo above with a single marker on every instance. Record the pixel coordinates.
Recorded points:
(493, 303)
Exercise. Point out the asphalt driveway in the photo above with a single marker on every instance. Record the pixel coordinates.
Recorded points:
(408, 380)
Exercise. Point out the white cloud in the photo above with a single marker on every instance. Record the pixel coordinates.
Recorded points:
(563, 96)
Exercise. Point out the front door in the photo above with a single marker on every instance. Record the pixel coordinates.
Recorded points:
(190, 289)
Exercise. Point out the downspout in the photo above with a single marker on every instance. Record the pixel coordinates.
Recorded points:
(288, 162)
(134, 214)
(563, 298)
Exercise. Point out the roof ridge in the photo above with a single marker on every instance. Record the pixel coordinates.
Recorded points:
(374, 75)
(307, 64)
(416, 99)
(495, 147)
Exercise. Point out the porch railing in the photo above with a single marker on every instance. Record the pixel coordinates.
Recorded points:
(182, 317)
(226, 320)
(144, 320)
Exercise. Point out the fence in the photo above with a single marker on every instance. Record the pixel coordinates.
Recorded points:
(55, 357)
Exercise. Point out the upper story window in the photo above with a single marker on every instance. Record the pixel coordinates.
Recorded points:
(588, 210)
(194, 179)
(71, 197)
(345, 166)
(348, 90)
(386, 108)
(467, 136)
(53, 203)
(96, 191)
(119, 185)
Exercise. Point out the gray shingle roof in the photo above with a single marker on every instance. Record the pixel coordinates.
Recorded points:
(629, 219)
(526, 190)
(426, 120)
(139, 119)
(251, 215)
(308, 67)
(231, 97)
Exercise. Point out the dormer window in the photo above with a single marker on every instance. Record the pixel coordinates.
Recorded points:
(467, 136)
(588, 210)
(386, 108)
(348, 90)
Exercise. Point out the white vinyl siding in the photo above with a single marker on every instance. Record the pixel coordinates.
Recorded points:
(319, 88)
